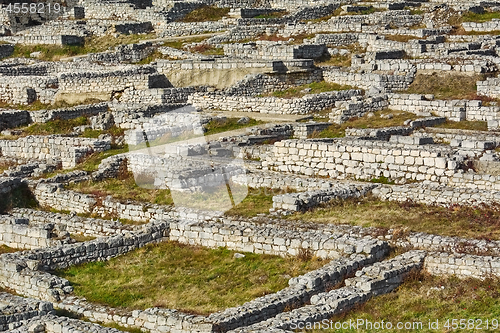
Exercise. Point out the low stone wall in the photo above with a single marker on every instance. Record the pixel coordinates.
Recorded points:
(455, 110)
(378, 133)
(275, 180)
(339, 39)
(274, 50)
(106, 82)
(133, 116)
(436, 194)
(489, 88)
(74, 224)
(449, 134)
(361, 159)
(462, 265)
(380, 278)
(6, 50)
(368, 80)
(304, 130)
(15, 308)
(56, 324)
(13, 118)
(57, 39)
(306, 104)
(344, 111)
(19, 233)
(69, 150)
(27, 89)
(159, 96)
(42, 116)
(299, 292)
(493, 25)
(130, 53)
(256, 84)
(248, 237)
(294, 202)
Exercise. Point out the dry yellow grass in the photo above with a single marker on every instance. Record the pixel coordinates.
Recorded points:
(471, 222)
(189, 278)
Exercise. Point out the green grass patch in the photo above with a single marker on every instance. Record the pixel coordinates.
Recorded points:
(272, 15)
(205, 13)
(92, 162)
(423, 298)
(381, 180)
(487, 16)
(465, 125)
(179, 43)
(447, 86)
(415, 11)
(125, 188)
(472, 222)
(367, 11)
(187, 278)
(91, 45)
(37, 105)
(56, 126)
(223, 125)
(376, 121)
(315, 88)
(258, 201)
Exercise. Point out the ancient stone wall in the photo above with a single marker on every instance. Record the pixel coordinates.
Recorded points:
(13, 118)
(20, 233)
(241, 236)
(455, 110)
(274, 50)
(105, 82)
(306, 104)
(295, 202)
(361, 159)
(257, 84)
(74, 224)
(158, 96)
(70, 151)
(27, 89)
(15, 308)
(383, 82)
(43, 116)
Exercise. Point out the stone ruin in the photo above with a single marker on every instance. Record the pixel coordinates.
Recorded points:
(160, 100)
